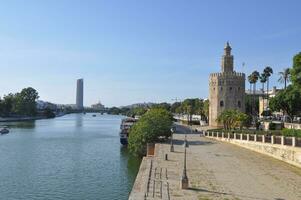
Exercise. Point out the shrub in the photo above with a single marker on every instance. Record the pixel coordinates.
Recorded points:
(49, 113)
(151, 127)
(291, 132)
(272, 126)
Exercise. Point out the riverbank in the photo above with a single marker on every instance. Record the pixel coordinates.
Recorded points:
(21, 119)
(215, 170)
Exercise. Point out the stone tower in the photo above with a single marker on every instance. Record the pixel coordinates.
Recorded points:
(226, 88)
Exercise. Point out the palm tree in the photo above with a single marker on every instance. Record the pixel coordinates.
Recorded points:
(255, 76)
(263, 80)
(268, 71)
(285, 76)
(250, 79)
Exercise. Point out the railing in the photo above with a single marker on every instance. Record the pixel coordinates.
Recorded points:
(272, 139)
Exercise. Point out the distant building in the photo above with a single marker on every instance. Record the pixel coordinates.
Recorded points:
(226, 89)
(42, 105)
(98, 106)
(80, 94)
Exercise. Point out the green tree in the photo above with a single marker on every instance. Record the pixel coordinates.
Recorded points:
(268, 71)
(175, 107)
(285, 76)
(163, 105)
(8, 104)
(26, 102)
(206, 109)
(253, 78)
(49, 113)
(151, 127)
(233, 118)
(296, 70)
(287, 101)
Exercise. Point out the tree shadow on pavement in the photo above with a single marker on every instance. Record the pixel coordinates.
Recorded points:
(200, 143)
(224, 193)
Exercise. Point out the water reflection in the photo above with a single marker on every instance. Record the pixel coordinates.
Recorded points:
(133, 162)
(25, 124)
(78, 120)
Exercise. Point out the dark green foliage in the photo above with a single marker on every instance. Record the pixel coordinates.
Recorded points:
(233, 118)
(291, 132)
(114, 111)
(296, 70)
(164, 105)
(23, 103)
(272, 126)
(288, 101)
(249, 105)
(26, 102)
(49, 113)
(151, 127)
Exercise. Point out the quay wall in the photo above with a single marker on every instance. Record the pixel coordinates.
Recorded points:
(286, 150)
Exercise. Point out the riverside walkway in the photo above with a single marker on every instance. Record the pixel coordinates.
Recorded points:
(216, 170)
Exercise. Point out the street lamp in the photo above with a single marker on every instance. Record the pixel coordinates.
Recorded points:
(171, 143)
(185, 141)
(184, 180)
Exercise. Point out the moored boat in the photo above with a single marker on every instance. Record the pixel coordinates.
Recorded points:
(4, 131)
(125, 126)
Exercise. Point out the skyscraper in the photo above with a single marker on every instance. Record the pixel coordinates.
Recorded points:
(80, 94)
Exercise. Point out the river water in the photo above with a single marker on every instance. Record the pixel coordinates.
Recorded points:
(76, 156)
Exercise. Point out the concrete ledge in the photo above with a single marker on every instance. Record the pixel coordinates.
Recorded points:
(291, 155)
(140, 186)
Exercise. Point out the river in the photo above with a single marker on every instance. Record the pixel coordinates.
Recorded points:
(76, 156)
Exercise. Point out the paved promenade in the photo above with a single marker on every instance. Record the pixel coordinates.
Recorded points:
(216, 170)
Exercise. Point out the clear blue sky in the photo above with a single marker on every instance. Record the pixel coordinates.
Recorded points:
(139, 51)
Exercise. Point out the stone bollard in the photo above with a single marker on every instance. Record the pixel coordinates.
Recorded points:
(248, 137)
(272, 139)
(282, 140)
(255, 138)
(228, 136)
(217, 133)
(263, 138)
(234, 136)
(223, 134)
(240, 136)
(293, 141)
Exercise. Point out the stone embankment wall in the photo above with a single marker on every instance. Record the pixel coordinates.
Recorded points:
(287, 149)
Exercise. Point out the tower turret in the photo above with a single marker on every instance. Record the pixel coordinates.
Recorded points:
(227, 59)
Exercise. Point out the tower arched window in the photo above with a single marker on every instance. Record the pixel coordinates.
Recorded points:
(238, 88)
(221, 103)
(239, 104)
(221, 88)
(230, 88)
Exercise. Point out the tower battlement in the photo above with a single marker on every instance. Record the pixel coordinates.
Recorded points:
(227, 74)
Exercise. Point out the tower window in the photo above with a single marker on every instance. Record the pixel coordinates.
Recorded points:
(214, 88)
(239, 104)
(221, 103)
(238, 88)
(230, 88)
(221, 88)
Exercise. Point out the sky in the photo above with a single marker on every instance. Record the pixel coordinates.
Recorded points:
(139, 51)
